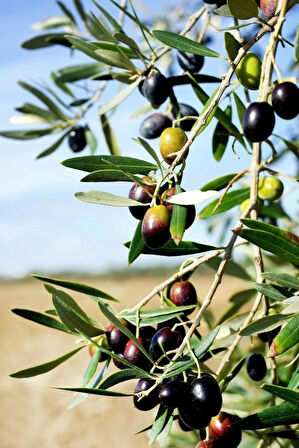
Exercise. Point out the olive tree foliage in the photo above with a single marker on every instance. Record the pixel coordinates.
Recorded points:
(123, 50)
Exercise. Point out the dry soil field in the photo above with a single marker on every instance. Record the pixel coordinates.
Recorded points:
(34, 416)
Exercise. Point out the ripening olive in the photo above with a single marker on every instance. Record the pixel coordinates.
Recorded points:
(154, 125)
(190, 62)
(259, 205)
(103, 342)
(184, 111)
(155, 226)
(76, 139)
(139, 194)
(285, 100)
(151, 400)
(256, 367)
(270, 188)
(258, 121)
(205, 444)
(183, 294)
(224, 430)
(171, 141)
(134, 355)
(116, 338)
(249, 71)
(155, 88)
(191, 211)
(268, 8)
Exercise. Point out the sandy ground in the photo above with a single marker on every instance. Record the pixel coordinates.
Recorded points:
(34, 416)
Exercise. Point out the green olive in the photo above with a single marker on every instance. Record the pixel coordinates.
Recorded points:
(270, 188)
(244, 205)
(249, 71)
(171, 141)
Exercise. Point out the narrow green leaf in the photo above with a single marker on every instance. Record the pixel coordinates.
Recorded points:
(54, 146)
(107, 175)
(172, 250)
(96, 163)
(46, 367)
(120, 377)
(229, 373)
(282, 279)
(148, 148)
(160, 422)
(155, 316)
(80, 9)
(178, 219)
(28, 108)
(80, 71)
(94, 391)
(66, 11)
(108, 16)
(46, 40)
(90, 139)
(243, 10)
(284, 393)
(115, 59)
(88, 48)
(223, 11)
(264, 324)
(27, 134)
(182, 43)
(294, 381)
(287, 338)
(241, 108)
(282, 414)
(40, 318)
(52, 22)
(103, 198)
(123, 329)
(219, 183)
(163, 436)
(232, 46)
(137, 244)
(272, 291)
(296, 48)
(220, 137)
(110, 136)
(74, 286)
(286, 434)
(231, 199)
(128, 14)
(128, 41)
(119, 97)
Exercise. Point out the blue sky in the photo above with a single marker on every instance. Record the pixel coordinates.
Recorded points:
(43, 227)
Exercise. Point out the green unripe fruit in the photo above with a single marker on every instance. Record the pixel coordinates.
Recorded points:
(249, 71)
(171, 141)
(270, 188)
(245, 204)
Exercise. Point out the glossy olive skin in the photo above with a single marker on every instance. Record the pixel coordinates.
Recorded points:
(134, 355)
(192, 417)
(150, 401)
(137, 193)
(103, 342)
(268, 8)
(171, 141)
(120, 365)
(285, 100)
(185, 111)
(224, 431)
(167, 339)
(183, 294)
(256, 367)
(258, 121)
(191, 210)
(270, 188)
(155, 226)
(155, 88)
(190, 62)
(171, 323)
(173, 393)
(76, 139)
(249, 71)
(154, 125)
(116, 338)
(206, 394)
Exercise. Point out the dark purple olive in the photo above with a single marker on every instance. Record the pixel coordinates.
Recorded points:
(155, 88)
(154, 125)
(155, 226)
(258, 121)
(173, 393)
(285, 100)
(183, 294)
(191, 211)
(190, 62)
(116, 338)
(139, 194)
(120, 365)
(134, 355)
(164, 340)
(171, 323)
(151, 400)
(76, 139)
(183, 426)
(184, 111)
(206, 394)
(192, 417)
(256, 367)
